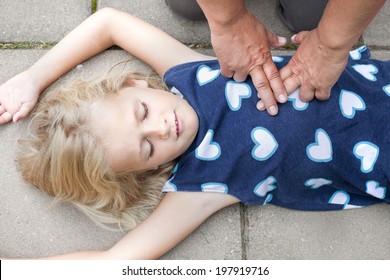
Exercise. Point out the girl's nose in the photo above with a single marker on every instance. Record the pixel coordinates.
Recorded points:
(159, 129)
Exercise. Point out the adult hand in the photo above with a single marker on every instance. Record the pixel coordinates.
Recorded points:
(315, 67)
(18, 97)
(243, 48)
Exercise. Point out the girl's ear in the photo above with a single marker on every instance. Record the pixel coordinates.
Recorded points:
(138, 83)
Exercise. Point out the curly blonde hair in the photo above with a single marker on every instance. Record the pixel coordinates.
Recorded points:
(62, 157)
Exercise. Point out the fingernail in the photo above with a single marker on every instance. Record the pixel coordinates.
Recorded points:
(293, 37)
(282, 40)
(282, 98)
(272, 110)
(260, 106)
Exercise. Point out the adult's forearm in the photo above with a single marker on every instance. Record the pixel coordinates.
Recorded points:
(344, 21)
(220, 13)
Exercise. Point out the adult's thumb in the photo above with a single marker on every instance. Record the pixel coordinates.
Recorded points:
(298, 38)
(275, 40)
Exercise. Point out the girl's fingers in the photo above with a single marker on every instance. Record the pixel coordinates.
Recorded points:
(23, 111)
(5, 117)
(2, 110)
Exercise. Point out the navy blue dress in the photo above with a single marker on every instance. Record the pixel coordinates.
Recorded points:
(311, 156)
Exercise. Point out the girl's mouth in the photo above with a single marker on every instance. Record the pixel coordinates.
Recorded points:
(177, 126)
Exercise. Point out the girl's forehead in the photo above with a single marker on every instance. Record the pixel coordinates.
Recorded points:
(113, 124)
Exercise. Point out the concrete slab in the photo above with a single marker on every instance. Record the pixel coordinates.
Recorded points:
(380, 54)
(30, 227)
(40, 20)
(188, 31)
(160, 15)
(277, 233)
(377, 33)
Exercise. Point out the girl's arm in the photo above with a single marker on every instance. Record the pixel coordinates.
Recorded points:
(177, 215)
(105, 28)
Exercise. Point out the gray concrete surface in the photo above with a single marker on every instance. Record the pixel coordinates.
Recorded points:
(36, 20)
(31, 227)
(377, 33)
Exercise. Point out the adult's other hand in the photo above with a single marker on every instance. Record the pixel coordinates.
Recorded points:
(314, 67)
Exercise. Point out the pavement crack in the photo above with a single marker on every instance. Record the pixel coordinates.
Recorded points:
(244, 219)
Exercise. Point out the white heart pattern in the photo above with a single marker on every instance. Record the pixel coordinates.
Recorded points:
(321, 150)
(387, 89)
(169, 187)
(357, 54)
(342, 198)
(208, 150)
(373, 188)
(235, 92)
(368, 71)
(205, 75)
(214, 187)
(265, 187)
(350, 102)
(315, 183)
(277, 59)
(368, 154)
(265, 144)
(298, 104)
(176, 92)
(268, 199)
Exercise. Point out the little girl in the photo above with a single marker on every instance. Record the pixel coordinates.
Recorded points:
(109, 145)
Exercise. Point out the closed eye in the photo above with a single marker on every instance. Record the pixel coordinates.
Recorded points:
(151, 148)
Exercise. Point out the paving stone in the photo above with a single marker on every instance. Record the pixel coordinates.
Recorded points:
(378, 32)
(189, 31)
(278, 233)
(382, 55)
(160, 15)
(40, 20)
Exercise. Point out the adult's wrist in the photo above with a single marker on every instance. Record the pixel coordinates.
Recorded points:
(336, 40)
(221, 15)
(232, 26)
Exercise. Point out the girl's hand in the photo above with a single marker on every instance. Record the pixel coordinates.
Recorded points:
(18, 97)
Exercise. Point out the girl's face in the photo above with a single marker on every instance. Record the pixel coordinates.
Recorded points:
(142, 128)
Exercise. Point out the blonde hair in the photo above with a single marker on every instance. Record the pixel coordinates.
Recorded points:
(62, 157)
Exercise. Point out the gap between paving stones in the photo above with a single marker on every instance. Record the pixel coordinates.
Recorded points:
(244, 223)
